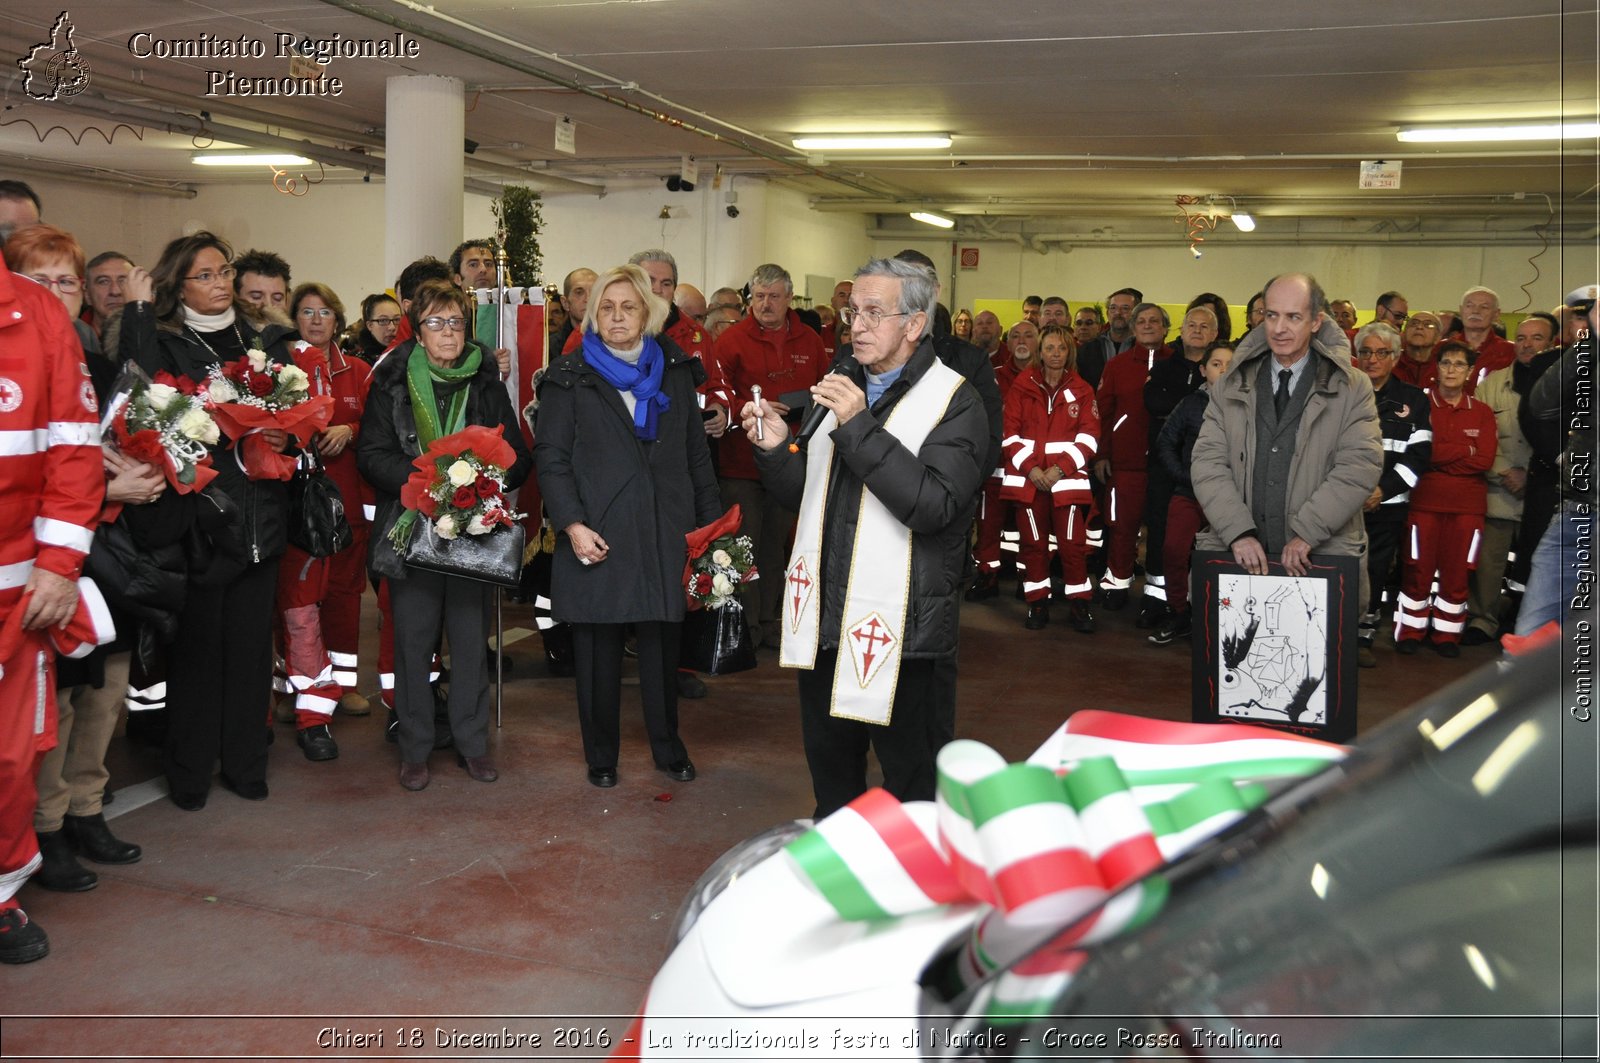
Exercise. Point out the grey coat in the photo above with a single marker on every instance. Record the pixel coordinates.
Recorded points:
(641, 497)
(1338, 456)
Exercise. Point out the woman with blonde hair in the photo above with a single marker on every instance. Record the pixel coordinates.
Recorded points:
(625, 473)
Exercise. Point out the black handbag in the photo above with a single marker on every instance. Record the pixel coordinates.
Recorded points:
(493, 557)
(716, 641)
(317, 523)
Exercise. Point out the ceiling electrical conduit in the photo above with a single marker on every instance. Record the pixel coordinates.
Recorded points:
(190, 124)
(1257, 239)
(744, 141)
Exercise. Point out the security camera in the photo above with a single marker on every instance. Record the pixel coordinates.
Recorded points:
(733, 211)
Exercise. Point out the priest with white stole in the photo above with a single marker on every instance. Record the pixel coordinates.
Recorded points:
(885, 473)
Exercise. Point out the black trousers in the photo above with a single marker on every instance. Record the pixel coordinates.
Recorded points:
(219, 686)
(1157, 497)
(1385, 528)
(597, 652)
(422, 604)
(836, 750)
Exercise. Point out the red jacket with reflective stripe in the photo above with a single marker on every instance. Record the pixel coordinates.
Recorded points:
(52, 480)
(1124, 421)
(1048, 426)
(1464, 442)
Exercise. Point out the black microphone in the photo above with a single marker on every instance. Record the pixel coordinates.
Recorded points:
(818, 412)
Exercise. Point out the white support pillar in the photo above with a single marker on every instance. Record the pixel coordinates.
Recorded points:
(425, 130)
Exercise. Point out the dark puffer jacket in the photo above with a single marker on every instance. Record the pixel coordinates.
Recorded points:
(1175, 445)
(388, 442)
(263, 504)
(641, 497)
(934, 492)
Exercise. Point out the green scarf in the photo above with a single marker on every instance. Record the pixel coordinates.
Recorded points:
(420, 377)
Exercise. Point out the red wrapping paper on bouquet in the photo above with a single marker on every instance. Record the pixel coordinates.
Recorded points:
(243, 425)
(700, 540)
(488, 444)
(145, 445)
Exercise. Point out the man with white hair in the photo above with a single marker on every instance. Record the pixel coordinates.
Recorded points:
(871, 589)
(1480, 309)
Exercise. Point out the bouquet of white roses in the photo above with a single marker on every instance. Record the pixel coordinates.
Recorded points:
(163, 422)
(255, 393)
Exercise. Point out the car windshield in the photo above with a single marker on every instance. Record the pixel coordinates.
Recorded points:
(1432, 895)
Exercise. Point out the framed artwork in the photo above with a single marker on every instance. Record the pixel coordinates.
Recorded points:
(1277, 650)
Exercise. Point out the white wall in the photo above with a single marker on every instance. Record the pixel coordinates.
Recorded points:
(1430, 278)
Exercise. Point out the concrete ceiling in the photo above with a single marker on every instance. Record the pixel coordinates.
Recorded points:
(1097, 108)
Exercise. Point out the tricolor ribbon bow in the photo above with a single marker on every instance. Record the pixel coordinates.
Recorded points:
(1108, 799)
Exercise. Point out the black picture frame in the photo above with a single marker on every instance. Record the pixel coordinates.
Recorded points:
(1257, 660)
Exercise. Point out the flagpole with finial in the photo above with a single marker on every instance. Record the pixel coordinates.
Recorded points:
(503, 306)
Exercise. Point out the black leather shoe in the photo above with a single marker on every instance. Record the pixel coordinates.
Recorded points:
(21, 940)
(603, 777)
(1476, 637)
(414, 776)
(690, 686)
(1116, 599)
(188, 802)
(391, 727)
(60, 870)
(93, 839)
(1448, 649)
(481, 769)
(250, 791)
(1081, 617)
(559, 665)
(1038, 617)
(984, 587)
(317, 743)
(1407, 647)
(682, 770)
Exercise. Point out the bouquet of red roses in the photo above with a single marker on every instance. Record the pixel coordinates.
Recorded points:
(720, 560)
(256, 393)
(163, 422)
(459, 486)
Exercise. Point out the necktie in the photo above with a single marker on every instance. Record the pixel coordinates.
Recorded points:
(1280, 398)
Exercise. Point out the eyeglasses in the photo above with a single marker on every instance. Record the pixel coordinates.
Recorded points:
(1369, 354)
(64, 285)
(1454, 365)
(439, 324)
(1394, 315)
(309, 312)
(383, 322)
(869, 316)
(226, 273)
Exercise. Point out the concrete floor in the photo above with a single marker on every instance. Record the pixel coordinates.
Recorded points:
(346, 904)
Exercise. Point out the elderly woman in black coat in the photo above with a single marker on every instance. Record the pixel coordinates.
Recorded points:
(427, 389)
(625, 474)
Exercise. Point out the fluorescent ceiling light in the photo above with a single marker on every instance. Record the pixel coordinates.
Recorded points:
(872, 141)
(1244, 222)
(938, 220)
(1487, 133)
(244, 159)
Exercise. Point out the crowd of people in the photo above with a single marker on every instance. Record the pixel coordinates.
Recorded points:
(889, 460)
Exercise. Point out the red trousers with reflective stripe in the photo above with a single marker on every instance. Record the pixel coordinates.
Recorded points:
(1446, 544)
(27, 732)
(1070, 525)
(1124, 515)
(991, 516)
(1185, 518)
(319, 607)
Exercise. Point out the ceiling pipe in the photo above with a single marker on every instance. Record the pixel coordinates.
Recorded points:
(52, 169)
(1257, 239)
(1156, 206)
(742, 141)
(191, 124)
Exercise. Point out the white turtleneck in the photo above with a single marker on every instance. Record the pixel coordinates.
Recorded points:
(631, 356)
(206, 322)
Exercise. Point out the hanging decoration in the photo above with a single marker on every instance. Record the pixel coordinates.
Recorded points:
(1197, 222)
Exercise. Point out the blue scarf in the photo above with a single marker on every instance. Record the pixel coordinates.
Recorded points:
(643, 380)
